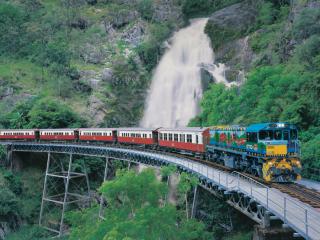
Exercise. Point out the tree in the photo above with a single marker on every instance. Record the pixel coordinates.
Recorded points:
(145, 8)
(49, 113)
(307, 23)
(12, 30)
(135, 211)
(187, 182)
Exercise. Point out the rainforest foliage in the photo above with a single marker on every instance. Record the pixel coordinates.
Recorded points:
(283, 84)
(137, 209)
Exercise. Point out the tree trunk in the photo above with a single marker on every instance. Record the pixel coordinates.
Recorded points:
(187, 212)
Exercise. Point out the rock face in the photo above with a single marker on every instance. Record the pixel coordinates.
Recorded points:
(4, 230)
(237, 54)
(120, 18)
(238, 16)
(134, 35)
(166, 10)
(96, 110)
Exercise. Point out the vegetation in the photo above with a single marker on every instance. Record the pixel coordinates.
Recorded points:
(41, 113)
(283, 85)
(192, 8)
(136, 210)
(20, 196)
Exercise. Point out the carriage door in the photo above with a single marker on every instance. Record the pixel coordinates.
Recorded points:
(155, 137)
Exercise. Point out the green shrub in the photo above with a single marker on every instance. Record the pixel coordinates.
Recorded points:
(220, 35)
(150, 50)
(49, 113)
(12, 29)
(145, 7)
(192, 8)
(307, 23)
(307, 51)
(42, 113)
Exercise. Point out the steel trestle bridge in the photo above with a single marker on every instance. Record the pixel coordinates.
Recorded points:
(257, 201)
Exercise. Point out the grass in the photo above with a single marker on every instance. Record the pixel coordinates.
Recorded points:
(23, 74)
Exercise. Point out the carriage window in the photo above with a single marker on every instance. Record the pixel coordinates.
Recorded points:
(182, 137)
(197, 139)
(176, 137)
(286, 135)
(277, 134)
(170, 136)
(189, 138)
(266, 135)
(252, 137)
(293, 134)
(165, 137)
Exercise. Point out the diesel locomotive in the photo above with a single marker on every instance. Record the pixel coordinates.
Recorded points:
(270, 151)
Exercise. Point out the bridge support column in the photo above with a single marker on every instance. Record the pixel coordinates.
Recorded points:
(62, 191)
(195, 201)
(9, 157)
(272, 233)
(102, 202)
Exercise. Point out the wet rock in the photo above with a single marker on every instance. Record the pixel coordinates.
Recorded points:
(206, 78)
(236, 54)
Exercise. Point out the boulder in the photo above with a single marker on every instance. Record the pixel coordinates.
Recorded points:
(237, 16)
(80, 23)
(87, 73)
(122, 17)
(107, 74)
(92, 54)
(165, 10)
(134, 35)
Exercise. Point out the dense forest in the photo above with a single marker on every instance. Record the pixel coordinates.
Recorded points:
(78, 63)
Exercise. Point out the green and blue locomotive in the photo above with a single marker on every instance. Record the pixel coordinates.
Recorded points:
(268, 150)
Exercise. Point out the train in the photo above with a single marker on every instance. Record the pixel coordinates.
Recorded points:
(270, 151)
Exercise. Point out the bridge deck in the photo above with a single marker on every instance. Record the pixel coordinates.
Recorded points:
(304, 219)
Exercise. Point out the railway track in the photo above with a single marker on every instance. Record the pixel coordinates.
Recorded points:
(304, 194)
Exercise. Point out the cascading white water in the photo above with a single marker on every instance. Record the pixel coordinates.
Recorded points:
(176, 88)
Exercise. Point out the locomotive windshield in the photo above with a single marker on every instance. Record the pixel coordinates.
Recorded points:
(278, 134)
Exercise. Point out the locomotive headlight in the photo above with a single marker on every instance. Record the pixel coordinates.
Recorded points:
(280, 125)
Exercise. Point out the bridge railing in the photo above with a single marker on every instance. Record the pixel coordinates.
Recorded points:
(290, 211)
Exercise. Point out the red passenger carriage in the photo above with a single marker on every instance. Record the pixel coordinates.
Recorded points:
(58, 134)
(144, 136)
(98, 134)
(191, 139)
(22, 134)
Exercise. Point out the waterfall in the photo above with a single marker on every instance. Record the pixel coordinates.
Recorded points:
(176, 90)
